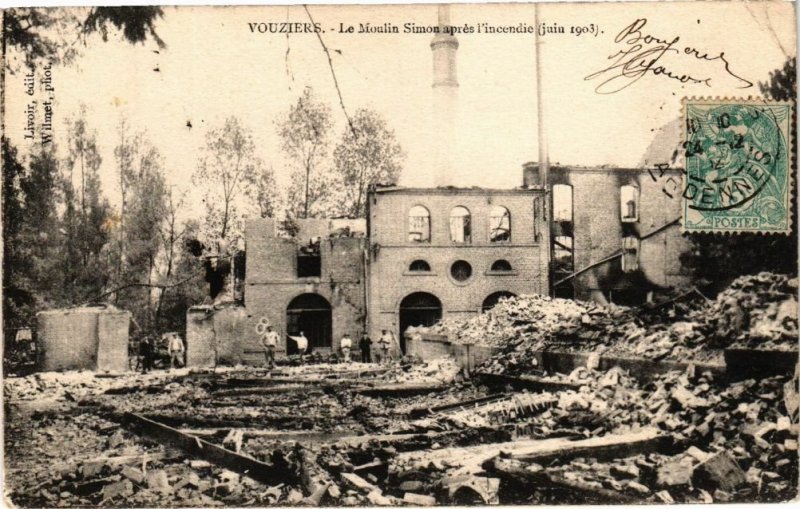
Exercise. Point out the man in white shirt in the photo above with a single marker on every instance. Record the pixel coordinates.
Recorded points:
(346, 344)
(384, 345)
(270, 341)
(175, 351)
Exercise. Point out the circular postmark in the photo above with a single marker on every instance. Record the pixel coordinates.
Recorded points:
(736, 157)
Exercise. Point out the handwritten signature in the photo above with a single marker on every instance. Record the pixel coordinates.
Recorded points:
(642, 55)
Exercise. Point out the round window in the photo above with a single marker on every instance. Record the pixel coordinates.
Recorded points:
(461, 270)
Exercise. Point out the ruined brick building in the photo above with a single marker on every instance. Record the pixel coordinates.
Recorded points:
(423, 254)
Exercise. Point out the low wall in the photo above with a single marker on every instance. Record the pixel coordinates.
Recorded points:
(430, 346)
(94, 338)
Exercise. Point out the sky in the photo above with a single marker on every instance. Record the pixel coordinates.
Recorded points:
(214, 66)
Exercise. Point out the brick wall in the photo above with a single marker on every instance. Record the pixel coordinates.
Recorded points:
(390, 280)
(598, 230)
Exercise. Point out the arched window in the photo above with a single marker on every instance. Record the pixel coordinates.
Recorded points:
(629, 204)
(419, 224)
(501, 266)
(460, 225)
(562, 203)
(419, 266)
(499, 224)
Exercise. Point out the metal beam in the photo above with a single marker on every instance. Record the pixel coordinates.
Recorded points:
(199, 448)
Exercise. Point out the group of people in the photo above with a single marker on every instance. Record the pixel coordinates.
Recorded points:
(148, 350)
(271, 339)
(385, 343)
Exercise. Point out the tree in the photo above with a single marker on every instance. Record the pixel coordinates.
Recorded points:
(719, 259)
(124, 153)
(263, 192)
(305, 134)
(18, 295)
(83, 153)
(31, 272)
(147, 212)
(367, 154)
(87, 220)
(187, 270)
(227, 164)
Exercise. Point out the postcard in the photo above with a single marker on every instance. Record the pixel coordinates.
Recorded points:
(414, 255)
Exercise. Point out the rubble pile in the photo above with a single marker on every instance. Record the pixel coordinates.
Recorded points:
(758, 311)
(754, 312)
(744, 450)
(746, 426)
(534, 317)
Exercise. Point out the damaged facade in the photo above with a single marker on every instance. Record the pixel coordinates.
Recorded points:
(312, 282)
(616, 233)
(449, 252)
(424, 254)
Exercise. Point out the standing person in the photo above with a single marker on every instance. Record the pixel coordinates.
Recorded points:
(384, 344)
(270, 341)
(175, 351)
(146, 353)
(364, 344)
(346, 344)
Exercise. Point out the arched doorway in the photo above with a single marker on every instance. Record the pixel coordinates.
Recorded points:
(492, 300)
(309, 313)
(419, 308)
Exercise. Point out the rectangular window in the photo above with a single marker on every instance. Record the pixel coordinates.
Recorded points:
(562, 203)
(630, 254)
(629, 204)
(309, 261)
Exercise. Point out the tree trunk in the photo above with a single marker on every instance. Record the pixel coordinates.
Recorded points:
(225, 220)
(308, 178)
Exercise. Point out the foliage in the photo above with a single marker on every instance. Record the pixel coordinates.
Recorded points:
(228, 163)
(135, 23)
(187, 268)
(717, 260)
(262, 190)
(35, 34)
(367, 154)
(305, 133)
(87, 217)
(18, 294)
(782, 84)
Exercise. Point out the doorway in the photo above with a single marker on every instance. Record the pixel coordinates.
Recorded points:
(419, 308)
(311, 314)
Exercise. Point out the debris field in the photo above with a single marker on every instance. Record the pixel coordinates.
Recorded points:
(419, 433)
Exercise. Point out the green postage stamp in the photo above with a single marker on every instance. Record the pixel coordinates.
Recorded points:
(738, 166)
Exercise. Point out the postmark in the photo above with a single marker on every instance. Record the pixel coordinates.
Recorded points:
(738, 166)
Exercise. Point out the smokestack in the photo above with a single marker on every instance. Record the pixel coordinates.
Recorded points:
(544, 156)
(445, 95)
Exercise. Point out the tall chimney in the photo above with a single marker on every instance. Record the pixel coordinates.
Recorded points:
(445, 94)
